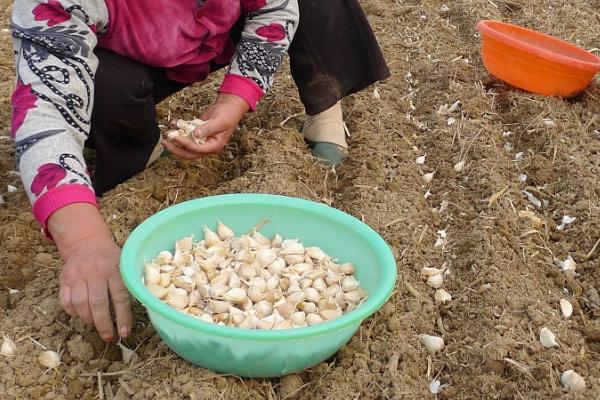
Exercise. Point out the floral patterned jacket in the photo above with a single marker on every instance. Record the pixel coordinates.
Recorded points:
(54, 42)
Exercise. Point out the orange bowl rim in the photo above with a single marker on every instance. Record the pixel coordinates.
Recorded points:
(484, 27)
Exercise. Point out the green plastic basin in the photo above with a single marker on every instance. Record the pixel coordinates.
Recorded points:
(259, 353)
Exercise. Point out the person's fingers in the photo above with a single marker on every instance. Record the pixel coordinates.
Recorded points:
(211, 127)
(214, 144)
(65, 300)
(99, 305)
(188, 144)
(122, 303)
(179, 152)
(80, 300)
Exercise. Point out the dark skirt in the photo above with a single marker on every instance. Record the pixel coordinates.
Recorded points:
(334, 54)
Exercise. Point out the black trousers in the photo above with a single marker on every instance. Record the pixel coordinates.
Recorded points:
(334, 54)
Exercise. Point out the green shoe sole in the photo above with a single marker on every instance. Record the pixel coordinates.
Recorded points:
(329, 154)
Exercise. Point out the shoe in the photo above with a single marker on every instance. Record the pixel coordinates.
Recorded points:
(328, 154)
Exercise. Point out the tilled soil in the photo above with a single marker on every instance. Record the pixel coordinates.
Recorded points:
(503, 276)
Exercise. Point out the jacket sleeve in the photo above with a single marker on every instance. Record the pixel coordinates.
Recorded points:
(52, 103)
(268, 31)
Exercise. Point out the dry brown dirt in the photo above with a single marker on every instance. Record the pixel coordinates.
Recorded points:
(503, 279)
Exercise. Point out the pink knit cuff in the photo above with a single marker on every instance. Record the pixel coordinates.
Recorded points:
(245, 88)
(59, 197)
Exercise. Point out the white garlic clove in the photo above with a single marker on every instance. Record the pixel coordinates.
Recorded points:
(129, 356)
(354, 296)
(566, 308)
(328, 303)
(435, 281)
(185, 244)
(224, 232)
(298, 318)
(235, 295)
(200, 278)
(221, 279)
(332, 278)
(347, 268)
(547, 338)
(165, 279)
(204, 291)
(151, 275)
(49, 359)
(237, 315)
(158, 291)
(427, 272)
(260, 238)
(263, 309)
(292, 259)
(164, 257)
(283, 325)
(8, 348)
(306, 283)
(332, 290)
(313, 319)
(312, 294)
(459, 166)
(235, 281)
(315, 273)
(349, 283)
(188, 271)
(292, 248)
(296, 297)
(420, 160)
(273, 282)
(301, 268)
(433, 344)
(308, 307)
(442, 297)
(427, 178)
(265, 257)
(184, 282)
(195, 298)
(572, 381)
(319, 284)
(217, 291)
(218, 306)
(328, 315)
(276, 266)
(247, 271)
(177, 298)
(286, 309)
(315, 253)
(206, 318)
(568, 265)
(277, 241)
(211, 237)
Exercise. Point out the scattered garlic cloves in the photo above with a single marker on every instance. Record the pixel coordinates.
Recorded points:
(566, 308)
(49, 359)
(427, 178)
(435, 281)
(442, 297)
(433, 344)
(572, 381)
(547, 338)
(8, 348)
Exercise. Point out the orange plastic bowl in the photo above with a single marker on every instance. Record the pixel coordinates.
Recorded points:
(536, 62)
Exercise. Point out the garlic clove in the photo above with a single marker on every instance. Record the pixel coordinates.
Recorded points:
(354, 296)
(265, 257)
(218, 306)
(224, 232)
(349, 283)
(277, 266)
(298, 318)
(332, 290)
(273, 282)
(427, 178)
(164, 257)
(177, 298)
(547, 338)
(315, 273)
(319, 284)
(572, 381)
(315, 253)
(420, 160)
(263, 309)
(442, 297)
(427, 272)
(235, 295)
(49, 359)
(221, 279)
(433, 344)
(292, 259)
(284, 325)
(308, 307)
(327, 304)
(260, 238)
(211, 237)
(165, 279)
(566, 308)
(185, 244)
(277, 241)
(247, 271)
(568, 265)
(151, 275)
(184, 282)
(459, 166)
(347, 269)
(330, 314)
(301, 268)
(158, 291)
(313, 319)
(8, 347)
(217, 291)
(435, 281)
(292, 248)
(312, 294)
(306, 283)
(129, 356)
(286, 309)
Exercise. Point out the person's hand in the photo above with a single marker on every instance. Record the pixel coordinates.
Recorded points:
(91, 270)
(221, 120)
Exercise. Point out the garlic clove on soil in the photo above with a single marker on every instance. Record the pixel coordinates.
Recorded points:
(433, 344)
(459, 166)
(129, 356)
(8, 348)
(566, 308)
(572, 381)
(547, 338)
(568, 265)
(435, 281)
(49, 359)
(442, 297)
(427, 178)
(420, 160)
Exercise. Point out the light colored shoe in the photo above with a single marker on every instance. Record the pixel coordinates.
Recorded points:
(325, 134)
